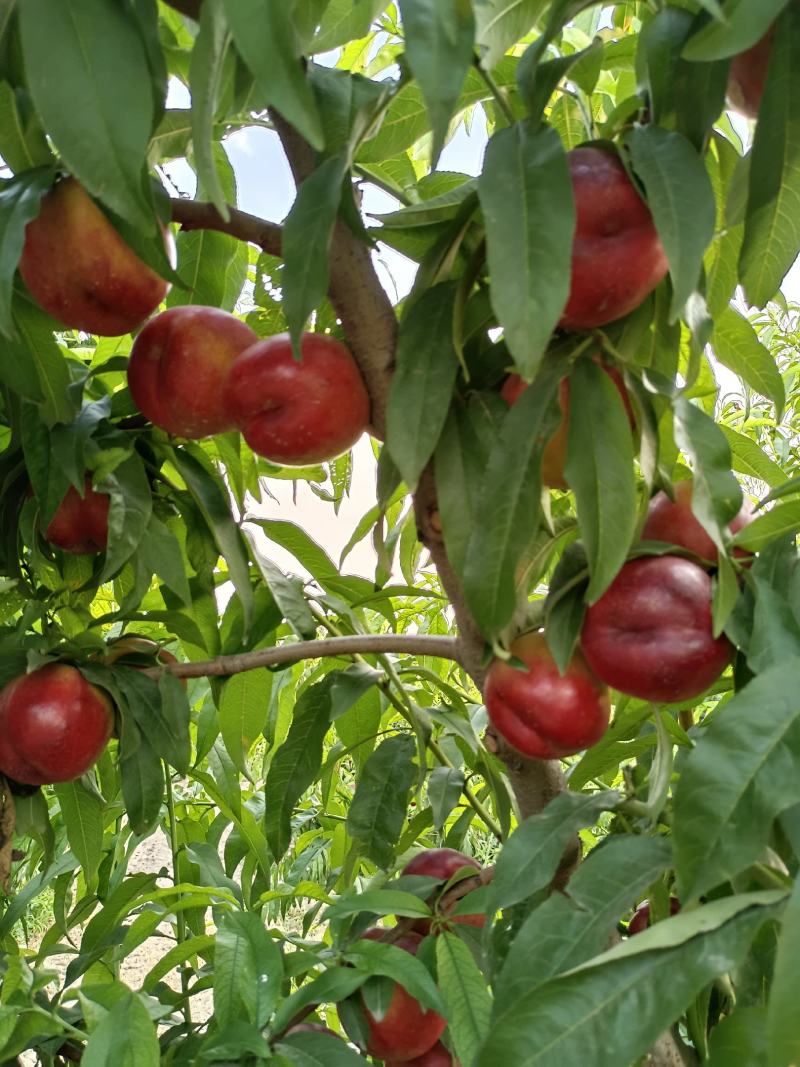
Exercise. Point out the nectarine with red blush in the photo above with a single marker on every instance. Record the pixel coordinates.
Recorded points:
(443, 863)
(80, 524)
(406, 1030)
(540, 712)
(617, 255)
(674, 521)
(179, 365)
(297, 412)
(81, 271)
(54, 725)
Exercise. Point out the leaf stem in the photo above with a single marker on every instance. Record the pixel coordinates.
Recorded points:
(496, 91)
(180, 918)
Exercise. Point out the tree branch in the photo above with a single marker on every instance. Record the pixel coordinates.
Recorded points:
(197, 215)
(366, 644)
(359, 299)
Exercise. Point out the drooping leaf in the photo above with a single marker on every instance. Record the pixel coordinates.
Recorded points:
(248, 970)
(94, 96)
(306, 240)
(206, 69)
(243, 709)
(736, 780)
(440, 38)
(82, 811)
(464, 991)
(611, 1009)
(772, 223)
(526, 196)
(265, 37)
(19, 203)
(509, 504)
(599, 470)
(296, 763)
(376, 816)
(127, 1036)
(427, 366)
(567, 930)
(531, 855)
(681, 199)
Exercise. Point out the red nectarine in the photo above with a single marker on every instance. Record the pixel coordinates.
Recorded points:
(540, 712)
(674, 521)
(179, 365)
(298, 412)
(617, 256)
(53, 725)
(80, 524)
(79, 269)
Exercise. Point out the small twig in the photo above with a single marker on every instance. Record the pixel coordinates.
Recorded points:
(198, 215)
(368, 644)
(7, 824)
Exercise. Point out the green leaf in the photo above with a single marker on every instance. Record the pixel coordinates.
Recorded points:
(772, 525)
(214, 268)
(378, 957)
(289, 596)
(379, 902)
(681, 199)
(611, 1010)
(344, 21)
(740, 1040)
(599, 470)
(464, 992)
(296, 763)
(307, 236)
(743, 25)
(501, 23)
(531, 855)
(37, 345)
(212, 500)
(126, 1036)
(567, 930)
(509, 504)
(427, 366)
(378, 811)
(206, 71)
(23, 144)
(445, 786)
(717, 496)
(783, 1025)
(772, 224)
(19, 203)
(526, 195)
(82, 811)
(142, 780)
(687, 97)
(318, 1050)
(736, 344)
(460, 462)
(129, 514)
(749, 459)
(248, 970)
(440, 37)
(736, 780)
(94, 96)
(243, 709)
(265, 38)
(161, 555)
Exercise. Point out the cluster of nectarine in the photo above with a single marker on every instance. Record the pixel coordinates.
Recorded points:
(182, 374)
(406, 1033)
(650, 635)
(196, 371)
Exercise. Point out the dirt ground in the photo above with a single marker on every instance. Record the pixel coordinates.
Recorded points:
(149, 858)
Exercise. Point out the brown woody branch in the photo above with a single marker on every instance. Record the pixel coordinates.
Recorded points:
(197, 215)
(366, 644)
